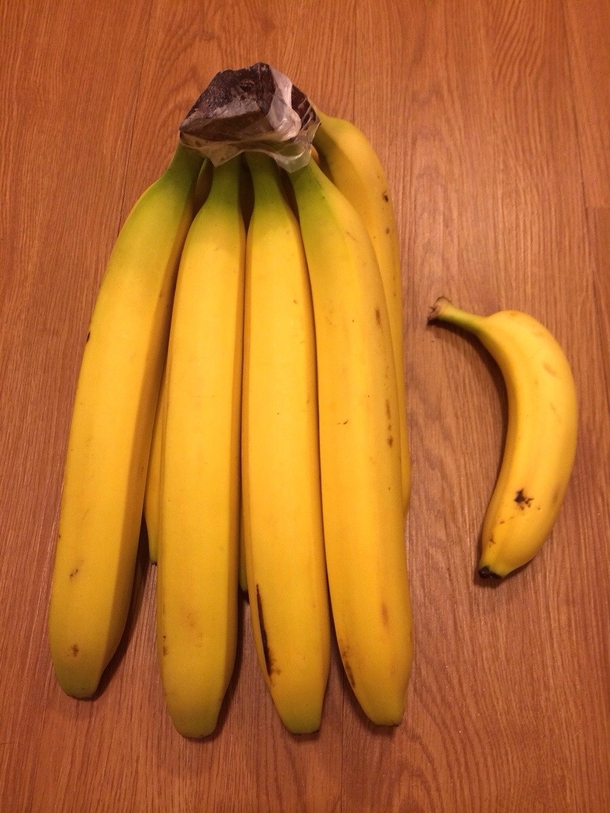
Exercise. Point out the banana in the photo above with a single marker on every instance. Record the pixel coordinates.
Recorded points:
(152, 494)
(355, 169)
(111, 428)
(199, 483)
(284, 541)
(541, 434)
(360, 457)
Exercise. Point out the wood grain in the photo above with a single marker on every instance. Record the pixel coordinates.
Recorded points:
(588, 24)
(491, 118)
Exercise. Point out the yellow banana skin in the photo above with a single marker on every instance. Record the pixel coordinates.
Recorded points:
(110, 434)
(356, 171)
(284, 541)
(359, 450)
(197, 583)
(152, 492)
(541, 434)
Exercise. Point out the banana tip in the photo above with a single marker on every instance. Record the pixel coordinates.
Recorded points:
(485, 572)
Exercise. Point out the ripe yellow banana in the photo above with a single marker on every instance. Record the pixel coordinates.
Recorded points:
(111, 430)
(359, 450)
(541, 434)
(199, 517)
(356, 171)
(280, 461)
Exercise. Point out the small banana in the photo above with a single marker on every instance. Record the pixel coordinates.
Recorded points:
(361, 476)
(110, 433)
(197, 580)
(355, 169)
(540, 439)
(284, 541)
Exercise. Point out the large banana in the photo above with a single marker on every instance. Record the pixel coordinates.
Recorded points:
(360, 456)
(111, 429)
(281, 482)
(540, 439)
(199, 484)
(355, 169)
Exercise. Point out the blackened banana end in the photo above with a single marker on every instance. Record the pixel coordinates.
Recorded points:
(486, 573)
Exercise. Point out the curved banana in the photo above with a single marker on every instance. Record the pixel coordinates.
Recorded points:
(284, 541)
(356, 171)
(541, 434)
(360, 456)
(199, 516)
(110, 434)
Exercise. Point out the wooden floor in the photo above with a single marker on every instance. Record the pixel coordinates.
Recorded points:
(492, 119)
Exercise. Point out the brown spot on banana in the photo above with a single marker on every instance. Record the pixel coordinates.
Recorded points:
(378, 316)
(550, 370)
(74, 650)
(521, 500)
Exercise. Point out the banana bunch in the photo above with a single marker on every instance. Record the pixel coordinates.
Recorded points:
(541, 434)
(242, 387)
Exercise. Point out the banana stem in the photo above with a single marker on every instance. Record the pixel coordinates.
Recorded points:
(445, 311)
